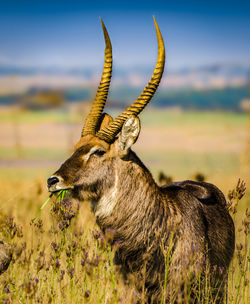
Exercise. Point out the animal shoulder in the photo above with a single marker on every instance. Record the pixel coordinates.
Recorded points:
(190, 192)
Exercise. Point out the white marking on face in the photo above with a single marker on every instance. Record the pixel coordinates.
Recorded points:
(107, 203)
(59, 185)
(91, 151)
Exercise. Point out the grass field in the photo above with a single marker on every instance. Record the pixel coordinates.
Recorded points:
(74, 265)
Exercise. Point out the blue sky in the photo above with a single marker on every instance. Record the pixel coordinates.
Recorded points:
(68, 33)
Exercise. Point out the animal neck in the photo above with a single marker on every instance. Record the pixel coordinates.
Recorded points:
(133, 197)
(104, 207)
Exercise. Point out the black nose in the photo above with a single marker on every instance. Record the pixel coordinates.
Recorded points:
(52, 180)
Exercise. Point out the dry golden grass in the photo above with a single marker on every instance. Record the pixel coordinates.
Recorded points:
(180, 145)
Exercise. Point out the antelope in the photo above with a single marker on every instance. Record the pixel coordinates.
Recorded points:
(183, 223)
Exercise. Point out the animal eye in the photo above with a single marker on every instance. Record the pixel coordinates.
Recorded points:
(99, 153)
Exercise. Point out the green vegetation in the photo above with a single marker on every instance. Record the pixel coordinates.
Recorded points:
(149, 116)
(24, 116)
(156, 117)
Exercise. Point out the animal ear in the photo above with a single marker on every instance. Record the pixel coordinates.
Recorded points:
(104, 121)
(129, 133)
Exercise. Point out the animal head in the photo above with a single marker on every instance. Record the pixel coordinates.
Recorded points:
(105, 143)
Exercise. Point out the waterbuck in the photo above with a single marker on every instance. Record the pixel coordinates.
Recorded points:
(177, 239)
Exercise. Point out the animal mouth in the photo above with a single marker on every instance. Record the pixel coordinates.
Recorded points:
(56, 184)
(59, 189)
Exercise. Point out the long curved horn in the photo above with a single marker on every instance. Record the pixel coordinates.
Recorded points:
(96, 111)
(108, 134)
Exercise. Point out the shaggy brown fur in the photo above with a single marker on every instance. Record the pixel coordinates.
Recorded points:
(185, 223)
(5, 256)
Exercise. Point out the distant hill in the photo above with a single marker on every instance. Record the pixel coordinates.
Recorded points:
(206, 87)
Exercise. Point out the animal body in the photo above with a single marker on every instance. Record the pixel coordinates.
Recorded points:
(175, 239)
(5, 256)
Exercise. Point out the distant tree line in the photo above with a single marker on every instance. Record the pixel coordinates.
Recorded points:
(227, 98)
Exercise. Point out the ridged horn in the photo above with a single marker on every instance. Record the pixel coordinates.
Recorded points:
(95, 113)
(108, 134)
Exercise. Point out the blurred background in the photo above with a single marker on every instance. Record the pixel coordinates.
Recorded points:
(197, 126)
(51, 59)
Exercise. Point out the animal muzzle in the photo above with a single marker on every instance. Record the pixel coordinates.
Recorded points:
(56, 183)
